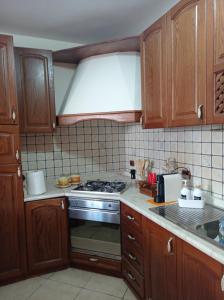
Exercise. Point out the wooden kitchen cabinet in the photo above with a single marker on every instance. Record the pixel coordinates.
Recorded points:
(9, 144)
(201, 277)
(8, 99)
(12, 229)
(186, 46)
(47, 234)
(154, 75)
(35, 86)
(160, 263)
(215, 61)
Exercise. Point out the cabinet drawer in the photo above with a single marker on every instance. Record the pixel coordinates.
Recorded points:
(129, 235)
(131, 217)
(9, 144)
(134, 256)
(133, 277)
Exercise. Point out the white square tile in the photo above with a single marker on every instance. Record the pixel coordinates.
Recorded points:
(90, 295)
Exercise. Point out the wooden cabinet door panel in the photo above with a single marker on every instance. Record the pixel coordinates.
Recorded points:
(35, 89)
(9, 144)
(12, 229)
(186, 62)
(8, 104)
(47, 234)
(154, 75)
(215, 61)
(163, 264)
(200, 275)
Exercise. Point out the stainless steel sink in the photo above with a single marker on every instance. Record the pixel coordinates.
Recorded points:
(197, 221)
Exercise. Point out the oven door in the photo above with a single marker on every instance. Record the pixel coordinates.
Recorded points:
(95, 232)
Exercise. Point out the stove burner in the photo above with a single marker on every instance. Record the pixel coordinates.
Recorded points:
(102, 186)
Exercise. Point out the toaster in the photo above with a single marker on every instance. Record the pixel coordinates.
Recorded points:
(168, 187)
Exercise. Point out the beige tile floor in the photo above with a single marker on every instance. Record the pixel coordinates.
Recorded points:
(68, 284)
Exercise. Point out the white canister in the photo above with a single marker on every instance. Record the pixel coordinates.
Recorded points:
(35, 182)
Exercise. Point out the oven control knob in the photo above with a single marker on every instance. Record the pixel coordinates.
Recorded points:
(109, 205)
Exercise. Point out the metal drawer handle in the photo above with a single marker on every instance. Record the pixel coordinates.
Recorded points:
(132, 238)
(222, 283)
(131, 276)
(132, 257)
(93, 259)
(130, 218)
(54, 125)
(17, 155)
(169, 246)
(200, 107)
(62, 205)
(13, 115)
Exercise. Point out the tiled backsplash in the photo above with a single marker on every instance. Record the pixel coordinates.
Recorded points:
(90, 146)
(94, 146)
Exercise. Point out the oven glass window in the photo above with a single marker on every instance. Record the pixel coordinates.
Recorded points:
(94, 237)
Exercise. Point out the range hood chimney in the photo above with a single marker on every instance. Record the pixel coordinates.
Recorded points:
(103, 85)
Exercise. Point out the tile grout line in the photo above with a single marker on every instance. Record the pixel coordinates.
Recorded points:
(41, 284)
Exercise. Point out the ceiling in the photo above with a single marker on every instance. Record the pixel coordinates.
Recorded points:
(80, 21)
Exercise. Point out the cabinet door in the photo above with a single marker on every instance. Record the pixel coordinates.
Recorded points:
(187, 63)
(162, 259)
(201, 276)
(9, 144)
(215, 61)
(154, 75)
(34, 71)
(8, 100)
(47, 234)
(12, 229)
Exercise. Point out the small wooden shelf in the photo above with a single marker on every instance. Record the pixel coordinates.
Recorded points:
(129, 116)
(74, 55)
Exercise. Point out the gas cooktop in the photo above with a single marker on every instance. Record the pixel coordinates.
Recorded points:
(101, 186)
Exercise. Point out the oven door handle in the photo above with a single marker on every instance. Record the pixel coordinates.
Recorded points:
(96, 210)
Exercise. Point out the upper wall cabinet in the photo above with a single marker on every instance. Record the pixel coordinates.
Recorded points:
(215, 61)
(154, 75)
(186, 45)
(34, 70)
(8, 104)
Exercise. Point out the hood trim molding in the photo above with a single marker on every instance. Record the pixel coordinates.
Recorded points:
(128, 116)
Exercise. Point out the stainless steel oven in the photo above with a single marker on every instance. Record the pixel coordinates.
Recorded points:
(95, 226)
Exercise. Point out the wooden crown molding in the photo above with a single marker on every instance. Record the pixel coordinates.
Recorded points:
(74, 55)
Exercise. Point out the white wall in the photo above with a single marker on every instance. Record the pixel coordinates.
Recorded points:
(39, 43)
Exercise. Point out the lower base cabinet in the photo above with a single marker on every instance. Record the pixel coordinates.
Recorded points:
(174, 270)
(161, 264)
(47, 235)
(201, 277)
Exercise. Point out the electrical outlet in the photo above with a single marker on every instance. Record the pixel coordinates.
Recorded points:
(132, 163)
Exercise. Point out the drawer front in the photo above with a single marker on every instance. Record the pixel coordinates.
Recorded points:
(134, 278)
(134, 256)
(129, 235)
(9, 144)
(131, 217)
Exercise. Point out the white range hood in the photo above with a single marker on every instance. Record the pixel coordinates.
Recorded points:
(105, 83)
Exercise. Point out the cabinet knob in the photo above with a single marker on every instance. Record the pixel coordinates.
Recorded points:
(170, 246)
(132, 257)
(62, 205)
(130, 218)
(13, 115)
(19, 172)
(17, 155)
(200, 112)
(93, 259)
(131, 276)
(132, 238)
(222, 283)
